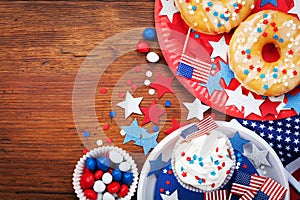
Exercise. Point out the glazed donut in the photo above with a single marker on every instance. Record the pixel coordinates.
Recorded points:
(214, 16)
(269, 78)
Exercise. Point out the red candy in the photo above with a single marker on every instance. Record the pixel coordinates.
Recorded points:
(90, 194)
(98, 174)
(87, 180)
(123, 190)
(113, 187)
(143, 47)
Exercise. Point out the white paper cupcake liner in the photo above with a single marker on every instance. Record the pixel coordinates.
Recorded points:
(194, 189)
(98, 152)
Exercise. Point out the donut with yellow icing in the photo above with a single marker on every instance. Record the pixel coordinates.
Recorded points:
(246, 58)
(214, 16)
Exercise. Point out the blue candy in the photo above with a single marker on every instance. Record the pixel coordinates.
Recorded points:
(90, 163)
(127, 178)
(117, 175)
(103, 163)
(149, 34)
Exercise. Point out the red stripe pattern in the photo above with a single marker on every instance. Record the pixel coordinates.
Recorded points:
(216, 195)
(193, 69)
(273, 189)
(205, 126)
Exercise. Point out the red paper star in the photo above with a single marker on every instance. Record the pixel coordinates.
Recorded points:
(163, 85)
(268, 107)
(152, 114)
(175, 125)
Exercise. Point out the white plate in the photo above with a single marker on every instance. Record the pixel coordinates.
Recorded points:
(146, 184)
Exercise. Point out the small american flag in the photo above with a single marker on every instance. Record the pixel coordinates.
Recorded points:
(194, 69)
(256, 182)
(273, 189)
(202, 127)
(242, 184)
(216, 195)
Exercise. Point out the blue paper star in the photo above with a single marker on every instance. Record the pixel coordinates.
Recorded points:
(156, 166)
(264, 2)
(148, 142)
(133, 132)
(213, 83)
(293, 102)
(226, 73)
(238, 143)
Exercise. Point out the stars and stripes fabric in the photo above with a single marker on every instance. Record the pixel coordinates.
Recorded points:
(201, 128)
(193, 69)
(216, 195)
(273, 189)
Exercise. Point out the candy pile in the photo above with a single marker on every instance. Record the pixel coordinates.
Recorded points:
(107, 177)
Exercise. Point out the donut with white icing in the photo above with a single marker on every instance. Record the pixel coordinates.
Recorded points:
(246, 58)
(214, 16)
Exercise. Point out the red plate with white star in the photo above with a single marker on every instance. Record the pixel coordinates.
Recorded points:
(222, 91)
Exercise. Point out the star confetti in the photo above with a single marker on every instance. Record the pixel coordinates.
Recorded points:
(264, 2)
(220, 49)
(175, 125)
(162, 85)
(226, 72)
(269, 107)
(148, 141)
(196, 109)
(251, 105)
(296, 8)
(235, 98)
(168, 9)
(156, 166)
(152, 113)
(173, 196)
(238, 143)
(293, 102)
(131, 105)
(133, 132)
(281, 105)
(258, 157)
(213, 83)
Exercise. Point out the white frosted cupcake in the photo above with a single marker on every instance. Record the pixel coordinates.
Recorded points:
(205, 163)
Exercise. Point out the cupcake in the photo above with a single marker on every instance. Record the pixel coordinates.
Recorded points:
(106, 172)
(204, 163)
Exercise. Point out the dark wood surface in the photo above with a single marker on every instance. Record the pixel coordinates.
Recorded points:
(42, 46)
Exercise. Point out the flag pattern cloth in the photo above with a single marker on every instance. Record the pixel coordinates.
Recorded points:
(202, 127)
(282, 135)
(193, 69)
(216, 195)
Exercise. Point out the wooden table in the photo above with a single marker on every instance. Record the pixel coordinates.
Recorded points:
(42, 47)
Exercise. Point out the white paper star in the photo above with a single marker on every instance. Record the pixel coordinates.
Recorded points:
(173, 196)
(196, 109)
(296, 8)
(220, 49)
(131, 105)
(280, 99)
(258, 157)
(168, 8)
(235, 98)
(251, 105)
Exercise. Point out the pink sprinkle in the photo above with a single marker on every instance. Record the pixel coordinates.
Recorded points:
(134, 86)
(121, 94)
(85, 151)
(106, 127)
(137, 69)
(109, 140)
(103, 90)
(129, 82)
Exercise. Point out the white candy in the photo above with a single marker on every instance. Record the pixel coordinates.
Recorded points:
(108, 196)
(115, 157)
(148, 74)
(124, 166)
(99, 196)
(99, 186)
(107, 178)
(122, 132)
(147, 82)
(99, 142)
(152, 57)
(151, 91)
